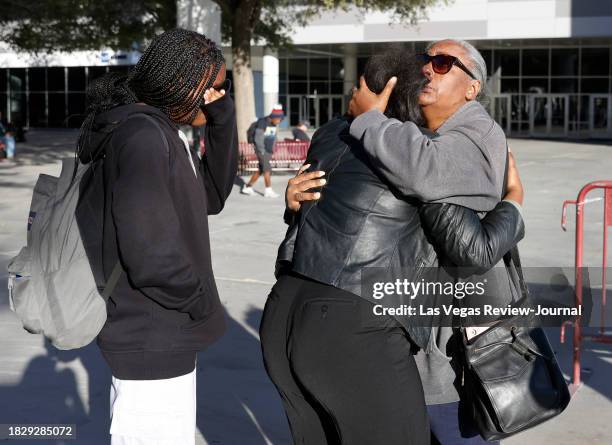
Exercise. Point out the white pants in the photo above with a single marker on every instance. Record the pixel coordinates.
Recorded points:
(153, 412)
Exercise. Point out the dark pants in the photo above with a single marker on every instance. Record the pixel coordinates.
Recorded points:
(345, 376)
(451, 426)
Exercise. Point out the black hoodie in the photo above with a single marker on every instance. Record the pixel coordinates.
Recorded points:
(144, 205)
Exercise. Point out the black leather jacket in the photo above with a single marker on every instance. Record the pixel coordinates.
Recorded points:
(359, 222)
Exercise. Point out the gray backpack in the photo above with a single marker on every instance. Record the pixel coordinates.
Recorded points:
(51, 284)
(52, 288)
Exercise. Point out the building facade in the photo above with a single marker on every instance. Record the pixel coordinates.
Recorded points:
(549, 64)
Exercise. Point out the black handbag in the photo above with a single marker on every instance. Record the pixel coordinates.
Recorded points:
(512, 380)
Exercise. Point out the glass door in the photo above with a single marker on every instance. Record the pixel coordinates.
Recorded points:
(548, 115)
(558, 110)
(502, 111)
(316, 109)
(599, 116)
(538, 115)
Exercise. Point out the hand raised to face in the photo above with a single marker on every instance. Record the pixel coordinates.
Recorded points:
(211, 95)
(364, 99)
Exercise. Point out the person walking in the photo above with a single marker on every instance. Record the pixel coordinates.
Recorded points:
(154, 202)
(266, 130)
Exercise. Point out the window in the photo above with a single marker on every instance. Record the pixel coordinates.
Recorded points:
(282, 69)
(361, 63)
(95, 72)
(506, 61)
(487, 55)
(76, 109)
(336, 69)
(36, 79)
(36, 109)
(564, 62)
(76, 78)
(595, 61)
(294, 110)
(17, 79)
(535, 62)
(297, 69)
(3, 103)
(594, 85)
(319, 87)
(509, 85)
(17, 102)
(57, 109)
(297, 87)
(336, 87)
(318, 69)
(563, 85)
(534, 85)
(55, 79)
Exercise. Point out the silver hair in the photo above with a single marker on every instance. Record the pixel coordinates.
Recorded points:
(477, 66)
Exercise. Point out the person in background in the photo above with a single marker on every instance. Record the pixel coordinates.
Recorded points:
(299, 132)
(265, 137)
(7, 137)
(9, 142)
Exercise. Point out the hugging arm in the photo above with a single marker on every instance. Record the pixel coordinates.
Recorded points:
(429, 169)
(468, 241)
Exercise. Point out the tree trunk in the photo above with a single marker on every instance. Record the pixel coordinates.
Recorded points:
(244, 88)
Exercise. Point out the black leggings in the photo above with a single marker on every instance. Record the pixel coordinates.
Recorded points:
(345, 376)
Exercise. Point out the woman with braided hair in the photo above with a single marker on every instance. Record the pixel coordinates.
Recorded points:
(153, 199)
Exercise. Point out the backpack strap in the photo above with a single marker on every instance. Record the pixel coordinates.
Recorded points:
(118, 269)
(112, 280)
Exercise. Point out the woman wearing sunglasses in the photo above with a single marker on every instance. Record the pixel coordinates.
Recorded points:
(463, 164)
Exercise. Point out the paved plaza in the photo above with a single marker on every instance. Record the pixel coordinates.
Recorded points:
(237, 405)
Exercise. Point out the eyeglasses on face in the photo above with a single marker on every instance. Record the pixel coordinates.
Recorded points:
(442, 63)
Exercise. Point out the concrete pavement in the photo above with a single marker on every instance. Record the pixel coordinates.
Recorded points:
(237, 404)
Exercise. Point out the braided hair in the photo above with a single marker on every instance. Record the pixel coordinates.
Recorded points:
(169, 74)
(104, 93)
(172, 75)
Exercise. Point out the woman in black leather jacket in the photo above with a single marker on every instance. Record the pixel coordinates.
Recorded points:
(345, 375)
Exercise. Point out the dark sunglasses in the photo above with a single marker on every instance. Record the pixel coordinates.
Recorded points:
(442, 63)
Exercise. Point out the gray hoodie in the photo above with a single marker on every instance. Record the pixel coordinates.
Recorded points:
(463, 165)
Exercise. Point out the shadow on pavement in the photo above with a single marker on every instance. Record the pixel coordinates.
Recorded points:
(48, 394)
(236, 401)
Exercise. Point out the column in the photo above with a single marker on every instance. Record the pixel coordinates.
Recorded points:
(270, 80)
(350, 68)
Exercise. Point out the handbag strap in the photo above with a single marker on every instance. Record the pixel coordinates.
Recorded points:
(512, 256)
(504, 185)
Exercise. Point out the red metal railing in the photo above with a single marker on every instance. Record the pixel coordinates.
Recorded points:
(286, 156)
(580, 202)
